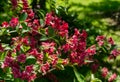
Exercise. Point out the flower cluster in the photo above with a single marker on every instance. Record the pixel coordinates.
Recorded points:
(105, 74)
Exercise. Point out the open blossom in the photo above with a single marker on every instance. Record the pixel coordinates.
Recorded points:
(91, 50)
(100, 38)
(45, 67)
(14, 22)
(100, 43)
(27, 74)
(5, 24)
(48, 47)
(115, 52)
(104, 72)
(34, 52)
(21, 58)
(60, 26)
(112, 77)
(16, 72)
(111, 41)
(29, 68)
(7, 62)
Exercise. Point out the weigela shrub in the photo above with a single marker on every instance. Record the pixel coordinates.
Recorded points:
(32, 50)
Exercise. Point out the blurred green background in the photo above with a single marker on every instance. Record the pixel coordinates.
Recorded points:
(104, 15)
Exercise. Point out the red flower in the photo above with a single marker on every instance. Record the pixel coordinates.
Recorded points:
(21, 58)
(5, 24)
(7, 62)
(14, 22)
(16, 72)
(111, 41)
(29, 68)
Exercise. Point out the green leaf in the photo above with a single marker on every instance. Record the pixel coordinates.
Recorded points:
(78, 75)
(46, 57)
(3, 55)
(51, 32)
(42, 22)
(23, 17)
(60, 66)
(25, 28)
(25, 48)
(30, 60)
(2, 74)
(96, 80)
(44, 38)
(18, 80)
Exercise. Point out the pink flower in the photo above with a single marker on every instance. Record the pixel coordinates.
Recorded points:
(91, 50)
(111, 41)
(32, 77)
(5, 24)
(25, 40)
(112, 77)
(100, 43)
(115, 52)
(74, 57)
(34, 52)
(65, 61)
(45, 67)
(61, 27)
(76, 32)
(14, 22)
(48, 47)
(100, 38)
(54, 61)
(21, 58)
(31, 14)
(104, 72)
(27, 74)
(66, 47)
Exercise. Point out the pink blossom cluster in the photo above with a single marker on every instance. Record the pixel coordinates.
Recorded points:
(55, 22)
(105, 74)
